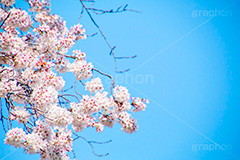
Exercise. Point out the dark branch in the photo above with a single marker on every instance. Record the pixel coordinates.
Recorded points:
(5, 19)
(90, 143)
(112, 81)
(103, 35)
(118, 10)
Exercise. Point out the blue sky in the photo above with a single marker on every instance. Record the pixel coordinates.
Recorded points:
(187, 66)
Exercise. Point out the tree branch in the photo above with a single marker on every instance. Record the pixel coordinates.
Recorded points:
(90, 143)
(103, 35)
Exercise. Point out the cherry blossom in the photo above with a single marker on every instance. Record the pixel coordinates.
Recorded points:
(35, 60)
(32, 143)
(3, 14)
(43, 130)
(108, 119)
(121, 94)
(39, 6)
(139, 104)
(58, 116)
(15, 137)
(7, 2)
(129, 124)
(20, 114)
(94, 86)
(19, 18)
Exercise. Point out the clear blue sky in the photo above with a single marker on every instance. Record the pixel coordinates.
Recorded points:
(188, 68)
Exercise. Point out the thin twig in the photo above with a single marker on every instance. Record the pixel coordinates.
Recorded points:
(90, 143)
(75, 88)
(118, 10)
(62, 96)
(5, 19)
(105, 38)
(92, 35)
(2, 116)
(81, 13)
(126, 57)
(112, 81)
(68, 89)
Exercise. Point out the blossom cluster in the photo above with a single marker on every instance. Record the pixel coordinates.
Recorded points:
(49, 143)
(33, 60)
(7, 2)
(19, 18)
(95, 85)
(20, 114)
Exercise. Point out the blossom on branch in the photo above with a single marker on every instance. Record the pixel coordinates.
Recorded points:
(34, 55)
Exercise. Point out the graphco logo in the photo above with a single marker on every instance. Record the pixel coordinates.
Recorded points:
(211, 13)
(211, 147)
(133, 79)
